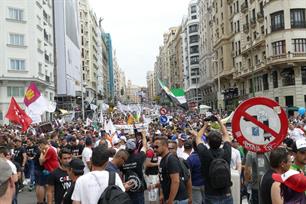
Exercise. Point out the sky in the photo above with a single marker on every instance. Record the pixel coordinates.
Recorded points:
(137, 28)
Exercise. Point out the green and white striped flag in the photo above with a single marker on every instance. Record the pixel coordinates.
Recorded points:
(177, 95)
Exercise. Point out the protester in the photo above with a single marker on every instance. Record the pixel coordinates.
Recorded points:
(31, 151)
(293, 186)
(172, 188)
(299, 152)
(7, 182)
(197, 180)
(295, 133)
(75, 170)
(48, 157)
(217, 188)
(86, 155)
(89, 187)
(133, 170)
(280, 163)
(251, 174)
(59, 181)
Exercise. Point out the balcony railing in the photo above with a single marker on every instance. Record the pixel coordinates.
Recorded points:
(246, 28)
(260, 16)
(244, 7)
(298, 24)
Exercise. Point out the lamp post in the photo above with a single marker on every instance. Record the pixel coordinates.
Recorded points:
(82, 98)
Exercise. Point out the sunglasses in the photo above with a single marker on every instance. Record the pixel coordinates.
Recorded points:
(155, 147)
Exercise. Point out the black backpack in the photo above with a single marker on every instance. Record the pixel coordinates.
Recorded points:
(219, 173)
(113, 194)
(185, 174)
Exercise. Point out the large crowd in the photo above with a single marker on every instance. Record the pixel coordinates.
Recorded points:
(192, 159)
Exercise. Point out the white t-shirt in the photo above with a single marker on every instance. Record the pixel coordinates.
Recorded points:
(13, 167)
(86, 156)
(89, 187)
(180, 151)
(296, 134)
(184, 155)
(236, 158)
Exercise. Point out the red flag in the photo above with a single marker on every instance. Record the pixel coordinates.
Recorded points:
(16, 115)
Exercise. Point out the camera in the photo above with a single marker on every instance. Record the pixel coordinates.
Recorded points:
(211, 118)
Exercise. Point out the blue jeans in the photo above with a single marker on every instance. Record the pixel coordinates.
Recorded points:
(223, 199)
(30, 173)
(137, 197)
(180, 201)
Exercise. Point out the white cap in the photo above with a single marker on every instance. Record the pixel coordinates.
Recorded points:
(123, 138)
(115, 140)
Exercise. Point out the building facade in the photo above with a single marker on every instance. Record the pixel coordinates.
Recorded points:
(191, 56)
(27, 47)
(67, 53)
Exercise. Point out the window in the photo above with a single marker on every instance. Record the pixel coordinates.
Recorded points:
(279, 47)
(194, 39)
(265, 82)
(303, 73)
(277, 21)
(238, 26)
(288, 77)
(193, 28)
(15, 91)
(289, 101)
(297, 18)
(16, 39)
(194, 49)
(277, 99)
(16, 14)
(299, 45)
(193, 17)
(17, 64)
(193, 9)
(275, 79)
(194, 60)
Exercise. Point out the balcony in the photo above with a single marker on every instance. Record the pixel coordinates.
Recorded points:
(244, 7)
(260, 16)
(230, 1)
(246, 28)
(253, 22)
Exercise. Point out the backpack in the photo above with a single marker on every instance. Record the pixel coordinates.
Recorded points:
(113, 193)
(184, 174)
(219, 173)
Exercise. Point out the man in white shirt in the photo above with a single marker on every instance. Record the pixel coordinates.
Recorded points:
(295, 133)
(86, 155)
(89, 187)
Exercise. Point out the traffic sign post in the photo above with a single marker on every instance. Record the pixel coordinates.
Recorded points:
(259, 124)
(163, 111)
(163, 120)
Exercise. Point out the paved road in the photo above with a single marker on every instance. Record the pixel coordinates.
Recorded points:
(26, 197)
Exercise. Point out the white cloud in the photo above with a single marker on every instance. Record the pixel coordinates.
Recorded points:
(137, 28)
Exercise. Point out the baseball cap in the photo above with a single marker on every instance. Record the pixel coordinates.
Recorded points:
(130, 144)
(123, 138)
(183, 137)
(5, 171)
(292, 179)
(299, 145)
(115, 140)
(77, 165)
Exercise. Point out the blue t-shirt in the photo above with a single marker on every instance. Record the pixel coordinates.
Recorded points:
(195, 168)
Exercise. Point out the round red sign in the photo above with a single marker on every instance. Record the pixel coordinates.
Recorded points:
(259, 124)
(163, 111)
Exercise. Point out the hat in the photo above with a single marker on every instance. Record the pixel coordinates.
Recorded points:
(158, 132)
(5, 171)
(299, 145)
(130, 144)
(123, 138)
(77, 165)
(115, 140)
(292, 179)
(183, 137)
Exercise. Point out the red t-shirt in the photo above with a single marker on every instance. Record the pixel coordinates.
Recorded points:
(51, 161)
